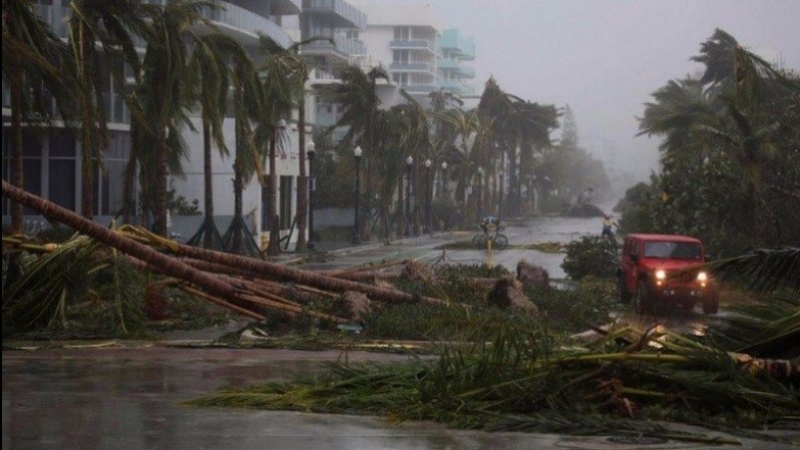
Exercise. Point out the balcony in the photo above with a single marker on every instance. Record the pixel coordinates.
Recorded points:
(452, 41)
(339, 13)
(420, 88)
(342, 48)
(237, 20)
(412, 67)
(417, 44)
(285, 7)
(456, 87)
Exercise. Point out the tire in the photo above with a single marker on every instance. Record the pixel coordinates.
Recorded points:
(479, 241)
(501, 242)
(622, 291)
(642, 300)
(711, 305)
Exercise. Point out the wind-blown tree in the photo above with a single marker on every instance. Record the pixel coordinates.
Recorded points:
(357, 94)
(157, 144)
(247, 106)
(737, 119)
(209, 79)
(31, 55)
(112, 25)
(283, 75)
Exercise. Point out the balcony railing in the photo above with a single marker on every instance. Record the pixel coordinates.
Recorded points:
(242, 19)
(345, 12)
(421, 44)
(420, 88)
(412, 67)
(342, 47)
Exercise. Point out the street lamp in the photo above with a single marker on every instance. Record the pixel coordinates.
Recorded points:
(312, 187)
(480, 192)
(356, 233)
(444, 178)
(409, 162)
(428, 194)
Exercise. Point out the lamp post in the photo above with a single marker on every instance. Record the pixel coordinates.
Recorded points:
(480, 192)
(444, 178)
(409, 162)
(428, 195)
(311, 188)
(356, 233)
(501, 192)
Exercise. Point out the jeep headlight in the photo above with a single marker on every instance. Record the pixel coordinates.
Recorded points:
(702, 278)
(661, 275)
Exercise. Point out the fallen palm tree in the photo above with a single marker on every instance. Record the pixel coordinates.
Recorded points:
(208, 272)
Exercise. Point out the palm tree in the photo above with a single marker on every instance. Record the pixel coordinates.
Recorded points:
(31, 55)
(283, 75)
(358, 97)
(209, 79)
(161, 95)
(112, 25)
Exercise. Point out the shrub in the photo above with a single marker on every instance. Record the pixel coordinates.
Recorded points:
(591, 256)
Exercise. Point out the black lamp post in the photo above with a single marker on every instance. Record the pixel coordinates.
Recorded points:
(428, 195)
(444, 179)
(312, 187)
(480, 192)
(356, 233)
(409, 162)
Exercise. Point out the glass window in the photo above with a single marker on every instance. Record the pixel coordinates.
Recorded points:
(61, 183)
(32, 178)
(678, 250)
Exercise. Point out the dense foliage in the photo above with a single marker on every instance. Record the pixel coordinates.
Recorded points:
(730, 154)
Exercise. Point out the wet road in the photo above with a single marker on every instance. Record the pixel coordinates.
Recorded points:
(130, 399)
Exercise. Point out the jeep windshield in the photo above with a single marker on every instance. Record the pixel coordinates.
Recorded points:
(672, 250)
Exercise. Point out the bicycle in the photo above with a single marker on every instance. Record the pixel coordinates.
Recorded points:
(499, 240)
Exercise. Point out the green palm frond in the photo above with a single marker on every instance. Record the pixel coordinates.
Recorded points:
(764, 269)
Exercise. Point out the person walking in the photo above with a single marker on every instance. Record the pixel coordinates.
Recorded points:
(608, 224)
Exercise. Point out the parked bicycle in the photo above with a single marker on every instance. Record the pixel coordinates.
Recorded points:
(499, 240)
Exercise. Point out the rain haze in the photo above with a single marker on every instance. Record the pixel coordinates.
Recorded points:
(604, 58)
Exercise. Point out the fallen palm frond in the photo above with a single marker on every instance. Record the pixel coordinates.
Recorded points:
(523, 380)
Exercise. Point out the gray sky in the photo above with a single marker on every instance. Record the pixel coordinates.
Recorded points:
(605, 57)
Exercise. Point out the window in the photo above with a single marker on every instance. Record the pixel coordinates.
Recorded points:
(678, 250)
(400, 56)
(61, 167)
(402, 33)
(110, 195)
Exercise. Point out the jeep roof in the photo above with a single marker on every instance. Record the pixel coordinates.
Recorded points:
(662, 237)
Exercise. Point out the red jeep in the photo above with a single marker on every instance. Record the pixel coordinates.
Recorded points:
(645, 267)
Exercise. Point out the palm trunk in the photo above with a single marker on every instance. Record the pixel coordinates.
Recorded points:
(401, 216)
(274, 247)
(169, 266)
(161, 184)
(302, 187)
(88, 130)
(207, 183)
(238, 210)
(17, 168)
(286, 274)
(128, 195)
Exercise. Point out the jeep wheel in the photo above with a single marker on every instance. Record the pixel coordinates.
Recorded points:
(642, 301)
(711, 305)
(622, 291)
